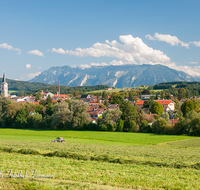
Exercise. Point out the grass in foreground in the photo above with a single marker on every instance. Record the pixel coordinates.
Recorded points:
(75, 174)
(155, 160)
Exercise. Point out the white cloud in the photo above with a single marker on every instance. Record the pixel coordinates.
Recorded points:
(173, 40)
(28, 66)
(132, 51)
(84, 66)
(114, 62)
(196, 43)
(9, 47)
(36, 52)
(99, 64)
(32, 75)
(193, 62)
(40, 67)
(148, 36)
(59, 50)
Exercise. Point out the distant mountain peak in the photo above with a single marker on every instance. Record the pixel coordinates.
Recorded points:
(118, 76)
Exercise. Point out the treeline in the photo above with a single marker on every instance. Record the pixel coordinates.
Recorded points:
(27, 88)
(73, 115)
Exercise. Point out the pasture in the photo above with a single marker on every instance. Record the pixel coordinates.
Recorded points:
(99, 160)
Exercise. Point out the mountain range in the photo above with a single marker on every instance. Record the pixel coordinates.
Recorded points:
(114, 76)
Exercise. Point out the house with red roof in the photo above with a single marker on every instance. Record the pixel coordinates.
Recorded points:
(61, 96)
(168, 105)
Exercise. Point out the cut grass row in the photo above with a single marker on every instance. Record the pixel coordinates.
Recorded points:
(78, 174)
(104, 158)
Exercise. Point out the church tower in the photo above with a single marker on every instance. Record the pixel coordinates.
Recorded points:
(4, 86)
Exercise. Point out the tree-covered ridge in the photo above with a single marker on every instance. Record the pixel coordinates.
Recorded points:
(24, 87)
(17, 85)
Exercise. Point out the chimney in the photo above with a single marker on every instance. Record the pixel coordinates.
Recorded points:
(58, 88)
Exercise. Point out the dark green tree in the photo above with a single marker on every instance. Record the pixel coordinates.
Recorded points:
(49, 100)
(156, 108)
(187, 106)
(129, 111)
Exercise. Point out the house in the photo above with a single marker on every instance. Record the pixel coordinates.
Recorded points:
(95, 112)
(46, 94)
(61, 96)
(86, 96)
(168, 105)
(140, 104)
(108, 88)
(146, 97)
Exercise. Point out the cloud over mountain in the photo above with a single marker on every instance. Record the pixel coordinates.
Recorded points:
(173, 40)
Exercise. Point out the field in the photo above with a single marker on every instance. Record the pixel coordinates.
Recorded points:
(99, 160)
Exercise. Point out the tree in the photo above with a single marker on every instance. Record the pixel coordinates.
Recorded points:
(120, 125)
(129, 111)
(131, 96)
(181, 93)
(165, 116)
(104, 95)
(49, 100)
(194, 129)
(188, 94)
(111, 114)
(4, 101)
(162, 95)
(49, 109)
(116, 98)
(62, 116)
(146, 92)
(192, 115)
(38, 96)
(75, 93)
(187, 106)
(132, 126)
(148, 103)
(79, 116)
(176, 103)
(156, 108)
(159, 126)
(20, 117)
(98, 98)
(145, 128)
(167, 96)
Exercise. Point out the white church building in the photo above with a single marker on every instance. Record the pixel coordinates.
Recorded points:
(4, 86)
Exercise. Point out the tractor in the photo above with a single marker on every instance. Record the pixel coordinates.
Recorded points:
(59, 139)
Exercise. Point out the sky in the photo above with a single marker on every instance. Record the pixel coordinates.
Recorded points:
(36, 35)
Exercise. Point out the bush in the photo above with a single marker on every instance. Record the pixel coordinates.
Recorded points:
(145, 127)
(159, 126)
(194, 129)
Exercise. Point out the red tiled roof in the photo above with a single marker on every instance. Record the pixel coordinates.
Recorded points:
(140, 102)
(164, 102)
(173, 121)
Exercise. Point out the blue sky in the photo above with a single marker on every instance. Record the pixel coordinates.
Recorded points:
(36, 35)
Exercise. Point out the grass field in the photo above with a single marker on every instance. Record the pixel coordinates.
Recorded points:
(86, 161)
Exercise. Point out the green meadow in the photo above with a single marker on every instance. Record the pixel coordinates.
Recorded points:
(99, 160)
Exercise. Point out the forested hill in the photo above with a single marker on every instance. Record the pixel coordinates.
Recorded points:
(23, 87)
(176, 84)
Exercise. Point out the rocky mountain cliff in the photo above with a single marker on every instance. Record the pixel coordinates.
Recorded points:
(114, 76)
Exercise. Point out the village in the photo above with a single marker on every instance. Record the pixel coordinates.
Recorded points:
(98, 104)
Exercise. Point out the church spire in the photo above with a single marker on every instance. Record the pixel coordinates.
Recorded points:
(4, 78)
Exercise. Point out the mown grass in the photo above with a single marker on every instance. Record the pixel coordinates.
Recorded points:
(78, 174)
(89, 137)
(100, 160)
